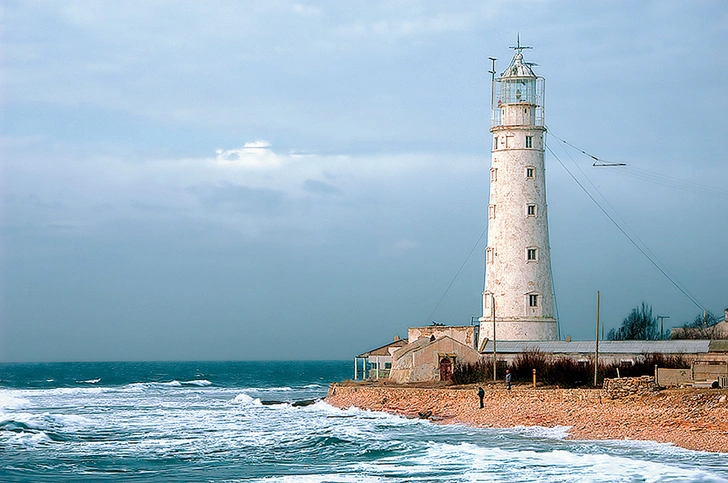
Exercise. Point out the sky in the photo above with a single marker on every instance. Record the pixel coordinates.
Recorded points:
(305, 180)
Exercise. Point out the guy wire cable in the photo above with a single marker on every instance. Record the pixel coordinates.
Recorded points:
(673, 281)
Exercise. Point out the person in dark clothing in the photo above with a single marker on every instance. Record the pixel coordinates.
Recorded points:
(481, 393)
(508, 379)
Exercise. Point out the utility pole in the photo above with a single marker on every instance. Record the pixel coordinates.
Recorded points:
(492, 312)
(596, 343)
(661, 318)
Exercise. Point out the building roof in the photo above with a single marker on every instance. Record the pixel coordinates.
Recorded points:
(383, 350)
(517, 68)
(423, 342)
(605, 346)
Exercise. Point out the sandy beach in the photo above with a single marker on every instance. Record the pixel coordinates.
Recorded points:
(695, 419)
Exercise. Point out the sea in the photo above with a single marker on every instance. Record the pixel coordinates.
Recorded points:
(268, 422)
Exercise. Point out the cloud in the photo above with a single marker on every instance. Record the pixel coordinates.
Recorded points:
(237, 198)
(253, 155)
(320, 187)
(399, 25)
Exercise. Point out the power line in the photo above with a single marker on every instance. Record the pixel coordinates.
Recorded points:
(456, 276)
(616, 213)
(649, 175)
(650, 256)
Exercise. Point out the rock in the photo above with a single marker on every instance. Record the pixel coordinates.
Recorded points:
(424, 414)
(303, 402)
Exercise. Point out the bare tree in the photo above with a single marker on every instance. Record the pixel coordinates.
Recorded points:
(638, 325)
(703, 326)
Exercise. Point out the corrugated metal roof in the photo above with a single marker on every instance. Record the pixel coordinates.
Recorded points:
(605, 346)
(716, 346)
(383, 350)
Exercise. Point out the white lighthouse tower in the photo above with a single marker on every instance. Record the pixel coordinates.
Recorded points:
(518, 301)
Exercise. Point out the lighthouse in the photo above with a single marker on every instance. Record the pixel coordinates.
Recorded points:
(518, 300)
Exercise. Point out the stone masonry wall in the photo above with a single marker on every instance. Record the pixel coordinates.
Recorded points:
(629, 386)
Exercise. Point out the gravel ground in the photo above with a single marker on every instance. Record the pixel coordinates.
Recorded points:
(695, 419)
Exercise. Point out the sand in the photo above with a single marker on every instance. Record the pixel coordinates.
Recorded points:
(695, 419)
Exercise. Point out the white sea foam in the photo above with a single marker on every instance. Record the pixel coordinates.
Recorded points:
(30, 439)
(69, 420)
(197, 382)
(268, 389)
(10, 401)
(557, 432)
(92, 381)
(550, 465)
(243, 399)
(75, 390)
(320, 478)
(143, 386)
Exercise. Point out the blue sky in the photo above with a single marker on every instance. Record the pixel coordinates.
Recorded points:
(303, 180)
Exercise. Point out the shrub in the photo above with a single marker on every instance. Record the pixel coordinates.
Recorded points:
(564, 371)
(472, 373)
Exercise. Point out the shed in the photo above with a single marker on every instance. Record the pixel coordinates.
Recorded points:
(430, 359)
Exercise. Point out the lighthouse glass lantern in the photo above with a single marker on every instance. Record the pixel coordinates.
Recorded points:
(519, 94)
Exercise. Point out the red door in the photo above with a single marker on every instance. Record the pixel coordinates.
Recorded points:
(445, 369)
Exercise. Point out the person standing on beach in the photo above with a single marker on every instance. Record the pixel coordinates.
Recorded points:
(481, 394)
(508, 379)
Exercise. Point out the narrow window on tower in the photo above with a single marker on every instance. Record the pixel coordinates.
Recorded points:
(491, 211)
(530, 172)
(493, 174)
(529, 141)
(533, 300)
(489, 255)
(495, 142)
(531, 210)
(532, 254)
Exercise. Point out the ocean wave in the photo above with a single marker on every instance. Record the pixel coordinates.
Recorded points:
(244, 399)
(141, 386)
(22, 432)
(90, 381)
(306, 387)
(333, 477)
(197, 382)
(557, 432)
(484, 460)
(9, 401)
(76, 390)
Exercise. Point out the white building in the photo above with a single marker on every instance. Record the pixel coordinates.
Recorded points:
(518, 291)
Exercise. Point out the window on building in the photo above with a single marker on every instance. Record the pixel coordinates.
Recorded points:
(531, 254)
(493, 174)
(529, 141)
(531, 210)
(530, 172)
(491, 211)
(387, 365)
(489, 255)
(533, 300)
(495, 142)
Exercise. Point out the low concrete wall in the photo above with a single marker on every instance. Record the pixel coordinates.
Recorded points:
(674, 377)
(709, 370)
(629, 386)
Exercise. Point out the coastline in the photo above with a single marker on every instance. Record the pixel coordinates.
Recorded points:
(695, 419)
